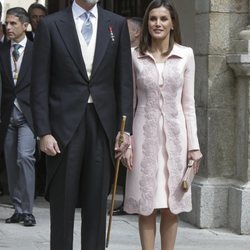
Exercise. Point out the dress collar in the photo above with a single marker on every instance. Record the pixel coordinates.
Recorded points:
(176, 52)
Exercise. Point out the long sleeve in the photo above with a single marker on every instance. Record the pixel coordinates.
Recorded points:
(188, 103)
(124, 79)
(40, 81)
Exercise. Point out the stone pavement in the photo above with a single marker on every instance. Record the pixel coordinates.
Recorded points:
(124, 234)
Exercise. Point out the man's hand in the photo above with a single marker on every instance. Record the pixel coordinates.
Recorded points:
(120, 150)
(49, 146)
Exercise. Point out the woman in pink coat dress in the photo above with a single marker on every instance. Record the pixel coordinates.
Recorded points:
(164, 129)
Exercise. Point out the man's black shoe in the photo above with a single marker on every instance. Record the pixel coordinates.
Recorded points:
(15, 218)
(29, 220)
(119, 211)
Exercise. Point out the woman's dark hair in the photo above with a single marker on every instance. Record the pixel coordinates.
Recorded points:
(175, 34)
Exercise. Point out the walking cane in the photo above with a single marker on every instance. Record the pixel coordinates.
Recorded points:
(117, 166)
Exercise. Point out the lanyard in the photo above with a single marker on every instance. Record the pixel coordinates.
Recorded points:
(15, 71)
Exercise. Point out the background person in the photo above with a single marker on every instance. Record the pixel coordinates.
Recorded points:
(36, 12)
(134, 28)
(16, 128)
(164, 128)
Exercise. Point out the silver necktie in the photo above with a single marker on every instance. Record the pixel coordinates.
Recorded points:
(87, 28)
(15, 52)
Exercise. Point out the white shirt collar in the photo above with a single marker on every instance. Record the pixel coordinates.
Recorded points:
(23, 42)
(78, 10)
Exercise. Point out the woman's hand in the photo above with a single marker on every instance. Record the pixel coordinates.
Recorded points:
(121, 149)
(196, 156)
(127, 159)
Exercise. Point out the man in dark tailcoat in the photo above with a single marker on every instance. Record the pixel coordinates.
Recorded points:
(81, 87)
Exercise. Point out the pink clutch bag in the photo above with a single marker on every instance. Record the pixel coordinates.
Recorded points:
(188, 176)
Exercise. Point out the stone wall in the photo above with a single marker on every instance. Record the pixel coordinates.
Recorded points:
(217, 25)
(186, 13)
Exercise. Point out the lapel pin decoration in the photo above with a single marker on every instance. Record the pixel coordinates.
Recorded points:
(111, 34)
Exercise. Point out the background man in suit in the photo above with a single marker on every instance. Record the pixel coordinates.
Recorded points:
(16, 127)
(81, 87)
(36, 12)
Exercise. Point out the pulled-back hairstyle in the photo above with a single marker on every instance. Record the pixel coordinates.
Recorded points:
(19, 12)
(175, 34)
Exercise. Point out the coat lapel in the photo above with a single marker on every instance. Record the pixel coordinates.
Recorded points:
(26, 62)
(7, 65)
(102, 39)
(67, 29)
